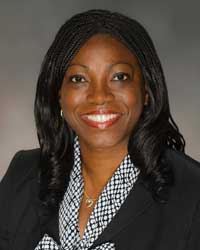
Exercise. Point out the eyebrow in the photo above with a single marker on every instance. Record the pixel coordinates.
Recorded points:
(78, 64)
(121, 62)
(109, 66)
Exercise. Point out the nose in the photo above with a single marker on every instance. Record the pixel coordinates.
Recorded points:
(99, 94)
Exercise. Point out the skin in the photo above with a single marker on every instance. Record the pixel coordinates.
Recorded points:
(109, 77)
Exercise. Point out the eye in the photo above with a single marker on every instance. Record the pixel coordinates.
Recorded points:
(77, 78)
(121, 76)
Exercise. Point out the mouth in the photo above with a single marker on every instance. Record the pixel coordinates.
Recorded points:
(101, 119)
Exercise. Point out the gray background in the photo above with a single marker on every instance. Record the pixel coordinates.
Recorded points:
(27, 28)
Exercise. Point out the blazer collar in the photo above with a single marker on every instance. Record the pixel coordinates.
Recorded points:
(136, 203)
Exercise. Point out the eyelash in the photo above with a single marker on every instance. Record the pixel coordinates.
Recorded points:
(122, 74)
(127, 77)
(76, 76)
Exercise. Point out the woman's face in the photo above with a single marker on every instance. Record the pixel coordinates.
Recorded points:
(103, 93)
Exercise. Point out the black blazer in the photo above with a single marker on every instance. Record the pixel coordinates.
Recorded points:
(140, 224)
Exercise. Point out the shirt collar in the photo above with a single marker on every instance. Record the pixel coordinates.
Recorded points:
(107, 205)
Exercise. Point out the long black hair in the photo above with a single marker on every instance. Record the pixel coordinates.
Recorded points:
(155, 131)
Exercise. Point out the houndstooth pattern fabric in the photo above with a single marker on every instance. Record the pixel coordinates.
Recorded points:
(48, 243)
(107, 205)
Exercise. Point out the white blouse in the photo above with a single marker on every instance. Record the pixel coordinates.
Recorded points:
(107, 205)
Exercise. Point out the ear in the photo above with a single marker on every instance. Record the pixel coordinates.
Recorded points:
(59, 96)
(60, 103)
(146, 98)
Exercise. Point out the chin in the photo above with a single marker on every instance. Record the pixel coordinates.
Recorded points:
(104, 141)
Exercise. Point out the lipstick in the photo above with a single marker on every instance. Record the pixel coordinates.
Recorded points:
(101, 118)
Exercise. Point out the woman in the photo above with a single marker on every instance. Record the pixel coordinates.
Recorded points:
(111, 172)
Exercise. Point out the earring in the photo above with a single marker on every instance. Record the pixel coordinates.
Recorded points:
(61, 113)
(146, 103)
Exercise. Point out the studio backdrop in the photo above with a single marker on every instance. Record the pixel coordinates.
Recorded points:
(28, 27)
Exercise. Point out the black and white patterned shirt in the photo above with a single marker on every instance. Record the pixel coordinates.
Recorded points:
(107, 205)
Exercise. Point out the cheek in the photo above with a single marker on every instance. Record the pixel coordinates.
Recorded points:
(133, 99)
(135, 108)
(69, 99)
(69, 102)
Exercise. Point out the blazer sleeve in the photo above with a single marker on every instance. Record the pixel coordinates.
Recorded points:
(193, 241)
(7, 190)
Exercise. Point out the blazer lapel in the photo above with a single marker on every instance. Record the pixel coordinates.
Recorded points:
(33, 219)
(48, 220)
(136, 203)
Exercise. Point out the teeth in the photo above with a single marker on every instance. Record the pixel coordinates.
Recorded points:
(101, 118)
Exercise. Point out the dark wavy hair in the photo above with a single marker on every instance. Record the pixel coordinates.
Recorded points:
(155, 131)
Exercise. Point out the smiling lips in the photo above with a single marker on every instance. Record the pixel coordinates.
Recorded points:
(101, 118)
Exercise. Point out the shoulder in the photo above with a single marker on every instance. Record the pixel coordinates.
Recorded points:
(15, 188)
(22, 168)
(186, 174)
(183, 207)
(175, 156)
(23, 165)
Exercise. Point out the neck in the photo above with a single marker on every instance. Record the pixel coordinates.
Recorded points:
(98, 166)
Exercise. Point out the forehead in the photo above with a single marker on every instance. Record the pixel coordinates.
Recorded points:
(105, 46)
